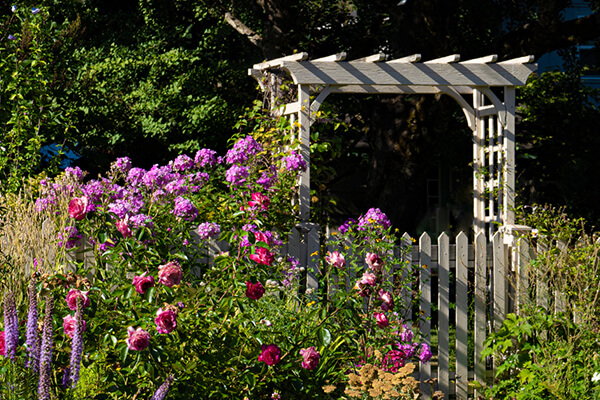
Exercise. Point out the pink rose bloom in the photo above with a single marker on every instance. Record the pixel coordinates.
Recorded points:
(142, 283)
(138, 339)
(261, 237)
(368, 278)
(259, 199)
(170, 274)
(387, 300)
(262, 256)
(311, 358)
(382, 320)
(254, 291)
(78, 208)
(72, 299)
(70, 324)
(270, 354)
(2, 344)
(123, 227)
(336, 259)
(374, 262)
(166, 321)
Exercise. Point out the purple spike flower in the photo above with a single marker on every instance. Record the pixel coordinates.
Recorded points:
(162, 391)
(32, 336)
(77, 345)
(46, 352)
(11, 325)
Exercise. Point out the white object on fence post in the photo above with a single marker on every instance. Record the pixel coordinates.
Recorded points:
(462, 320)
(444, 313)
(425, 306)
(480, 305)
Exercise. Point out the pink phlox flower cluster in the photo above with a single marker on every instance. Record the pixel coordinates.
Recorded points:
(242, 150)
(74, 173)
(237, 174)
(182, 163)
(373, 218)
(290, 271)
(206, 158)
(157, 176)
(425, 353)
(141, 221)
(268, 178)
(346, 226)
(295, 162)
(135, 177)
(209, 230)
(185, 209)
(197, 181)
(406, 334)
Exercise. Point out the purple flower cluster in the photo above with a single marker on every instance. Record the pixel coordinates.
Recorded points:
(74, 173)
(182, 163)
(268, 178)
(295, 162)
(237, 174)
(46, 351)
(162, 391)
(122, 165)
(374, 218)
(32, 335)
(69, 237)
(11, 325)
(76, 345)
(242, 150)
(206, 158)
(185, 209)
(209, 230)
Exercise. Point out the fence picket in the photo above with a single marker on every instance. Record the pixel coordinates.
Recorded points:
(462, 311)
(499, 277)
(480, 305)
(444, 313)
(406, 292)
(425, 307)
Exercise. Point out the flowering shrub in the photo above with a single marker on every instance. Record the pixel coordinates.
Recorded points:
(158, 308)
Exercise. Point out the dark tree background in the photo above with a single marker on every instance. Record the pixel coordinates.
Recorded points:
(154, 78)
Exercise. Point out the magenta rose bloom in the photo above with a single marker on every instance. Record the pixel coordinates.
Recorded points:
(2, 344)
(142, 283)
(260, 200)
(70, 324)
(170, 274)
(387, 300)
(270, 354)
(166, 321)
(311, 358)
(138, 339)
(78, 208)
(123, 227)
(254, 291)
(72, 299)
(374, 262)
(262, 256)
(382, 320)
(336, 259)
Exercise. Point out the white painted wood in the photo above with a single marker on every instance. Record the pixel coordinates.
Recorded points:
(509, 157)
(462, 310)
(408, 59)
(333, 58)
(499, 268)
(480, 305)
(371, 59)
(287, 109)
(469, 112)
(425, 307)
(406, 292)
(424, 74)
(444, 313)
(444, 60)
(485, 111)
(316, 104)
(492, 58)
(397, 89)
(279, 61)
(519, 60)
(304, 136)
(478, 167)
(522, 291)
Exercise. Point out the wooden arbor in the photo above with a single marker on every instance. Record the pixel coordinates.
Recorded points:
(490, 113)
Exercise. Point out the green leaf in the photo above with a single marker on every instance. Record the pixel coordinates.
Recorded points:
(324, 336)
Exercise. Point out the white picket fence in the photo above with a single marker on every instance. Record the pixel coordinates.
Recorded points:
(466, 288)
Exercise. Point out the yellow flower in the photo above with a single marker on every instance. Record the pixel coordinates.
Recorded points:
(311, 303)
(314, 254)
